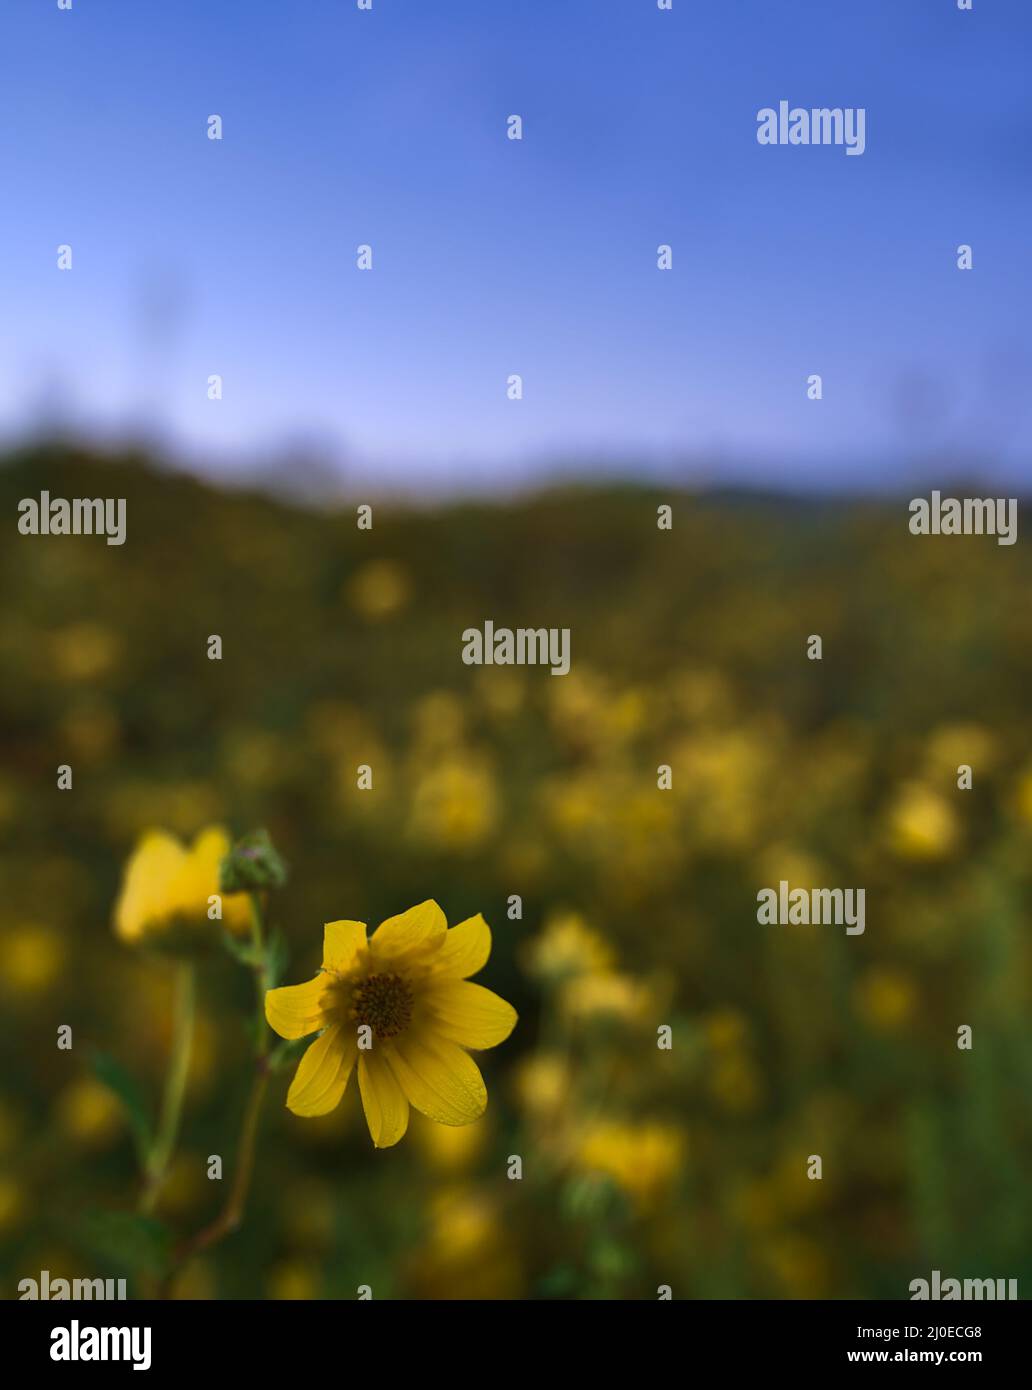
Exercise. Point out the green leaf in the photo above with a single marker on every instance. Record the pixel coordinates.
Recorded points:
(128, 1090)
(127, 1240)
(242, 951)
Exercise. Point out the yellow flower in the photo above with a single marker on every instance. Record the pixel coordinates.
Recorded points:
(726, 1028)
(89, 1112)
(467, 1253)
(885, 998)
(542, 1083)
(606, 994)
(450, 1149)
(404, 994)
(454, 802)
(643, 1158)
(379, 590)
(84, 651)
(166, 887)
(922, 824)
(567, 946)
(32, 958)
(293, 1281)
(12, 1204)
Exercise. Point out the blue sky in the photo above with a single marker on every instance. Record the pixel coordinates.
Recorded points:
(537, 257)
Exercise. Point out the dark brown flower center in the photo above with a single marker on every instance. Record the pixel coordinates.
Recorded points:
(383, 1003)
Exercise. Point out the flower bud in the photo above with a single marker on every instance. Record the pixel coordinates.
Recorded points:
(252, 865)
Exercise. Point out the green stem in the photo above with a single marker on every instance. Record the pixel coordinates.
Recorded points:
(175, 1088)
(261, 976)
(233, 1212)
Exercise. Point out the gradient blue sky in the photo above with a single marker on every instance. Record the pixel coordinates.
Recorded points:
(492, 256)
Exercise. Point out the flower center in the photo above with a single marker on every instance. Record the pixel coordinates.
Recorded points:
(383, 1003)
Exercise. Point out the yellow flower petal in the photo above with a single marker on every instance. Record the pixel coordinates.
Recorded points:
(322, 1073)
(421, 928)
(469, 1014)
(294, 1011)
(384, 1103)
(465, 949)
(342, 943)
(147, 888)
(198, 877)
(439, 1079)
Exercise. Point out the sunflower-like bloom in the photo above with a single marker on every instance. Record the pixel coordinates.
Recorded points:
(167, 886)
(401, 1005)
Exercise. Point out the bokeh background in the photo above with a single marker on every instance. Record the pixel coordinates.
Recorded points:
(641, 1166)
(193, 257)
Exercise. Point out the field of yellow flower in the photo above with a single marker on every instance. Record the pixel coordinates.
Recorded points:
(578, 1158)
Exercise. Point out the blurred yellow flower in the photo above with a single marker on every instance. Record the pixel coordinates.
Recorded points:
(400, 1004)
(32, 958)
(451, 1148)
(606, 994)
(567, 946)
(798, 1265)
(462, 1221)
(293, 1280)
(501, 690)
(734, 1084)
(195, 1281)
(784, 861)
(1023, 795)
(543, 1083)
(89, 1113)
(922, 824)
(12, 1204)
(467, 1253)
(642, 1157)
(726, 1028)
(953, 745)
(186, 1187)
(379, 589)
(83, 651)
(454, 804)
(884, 997)
(438, 721)
(166, 888)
